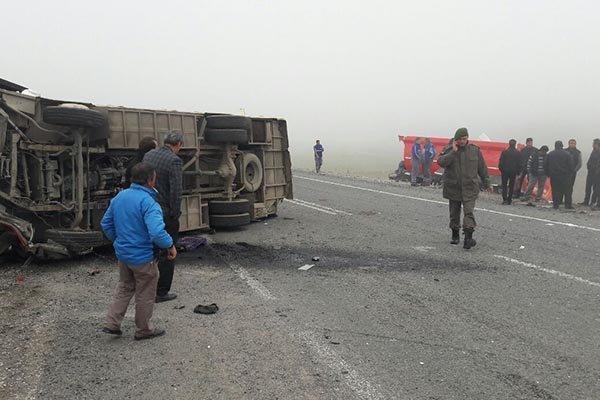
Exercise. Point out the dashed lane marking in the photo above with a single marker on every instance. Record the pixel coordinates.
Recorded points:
(569, 224)
(309, 206)
(306, 267)
(253, 283)
(548, 270)
(359, 385)
(323, 207)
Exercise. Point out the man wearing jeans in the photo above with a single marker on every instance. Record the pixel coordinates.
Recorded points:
(134, 223)
(536, 174)
(169, 184)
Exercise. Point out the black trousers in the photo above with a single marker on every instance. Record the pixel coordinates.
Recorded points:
(595, 199)
(562, 188)
(166, 268)
(589, 182)
(507, 192)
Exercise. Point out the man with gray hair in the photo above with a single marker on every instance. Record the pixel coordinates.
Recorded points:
(169, 185)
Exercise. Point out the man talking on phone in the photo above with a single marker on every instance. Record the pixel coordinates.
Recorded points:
(463, 166)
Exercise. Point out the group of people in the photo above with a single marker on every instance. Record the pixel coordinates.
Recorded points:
(422, 155)
(142, 222)
(560, 165)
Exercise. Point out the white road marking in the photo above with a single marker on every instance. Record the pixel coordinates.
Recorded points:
(571, 225)
(253, 283)
(313, 207)
(423, 248)
(306, 267)
(548, 270)
(323, 207)
(362, 387)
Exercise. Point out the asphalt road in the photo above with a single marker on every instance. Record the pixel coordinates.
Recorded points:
(390, 311)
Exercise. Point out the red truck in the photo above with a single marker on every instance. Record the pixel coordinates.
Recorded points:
(491, 151)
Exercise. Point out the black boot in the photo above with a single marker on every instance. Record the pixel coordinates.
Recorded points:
(455, 236)
(469, 241)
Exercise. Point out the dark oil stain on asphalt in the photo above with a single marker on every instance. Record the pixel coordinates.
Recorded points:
(284, 257)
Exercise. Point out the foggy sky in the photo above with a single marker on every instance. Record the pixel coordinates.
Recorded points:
(354, 74)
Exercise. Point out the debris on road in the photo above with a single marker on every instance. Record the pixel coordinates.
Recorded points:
(94, 271)
(315, 258)
(179, 307)
(209, 309)
(191, 243)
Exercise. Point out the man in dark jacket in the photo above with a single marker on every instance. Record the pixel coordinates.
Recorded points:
(525, 152)
(593, 170)
(169, 184)
(536, 174)
(146, 144)
(509, 166)
(463, 165)
(576, 156)
(560, 167)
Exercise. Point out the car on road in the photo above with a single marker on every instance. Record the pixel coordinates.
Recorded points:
(62, 161)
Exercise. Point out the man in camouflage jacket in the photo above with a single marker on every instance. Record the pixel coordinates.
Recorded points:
(464, 166)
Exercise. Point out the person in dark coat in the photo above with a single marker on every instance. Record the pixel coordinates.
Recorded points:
(509, 166)
(145, 145)
(169, 183)
(593, 174)
(525, 153)
(463, 166)
(576, 156)
(560, 167)
(536, 174)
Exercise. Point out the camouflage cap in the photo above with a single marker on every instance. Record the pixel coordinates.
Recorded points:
(461, 132)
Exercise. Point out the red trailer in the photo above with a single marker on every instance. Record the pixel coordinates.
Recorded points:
(491, 153)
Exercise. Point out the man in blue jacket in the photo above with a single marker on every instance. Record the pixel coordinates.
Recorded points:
(428, 156)
(416, 161)
(134, 223)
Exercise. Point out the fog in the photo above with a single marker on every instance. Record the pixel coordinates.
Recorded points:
(353, 74)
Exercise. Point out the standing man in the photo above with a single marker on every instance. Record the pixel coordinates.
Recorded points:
(536, 174)
(593, 169)
(146, 144)
(525, 152)
(577, 161)
(169, 184)
(416, 161)
(592, 182)
(428, 156)
(318, 150)
(134, 223)
(560, 168)
(509, 166)
(463, 163)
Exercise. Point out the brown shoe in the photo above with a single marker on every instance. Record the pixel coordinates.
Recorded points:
(155, 333)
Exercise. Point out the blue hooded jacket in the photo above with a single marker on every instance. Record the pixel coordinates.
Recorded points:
(134, 223)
